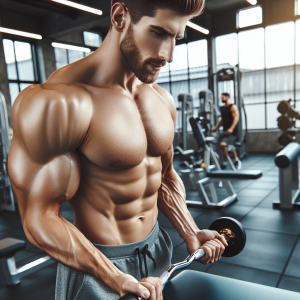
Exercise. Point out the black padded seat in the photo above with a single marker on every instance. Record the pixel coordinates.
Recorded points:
(194, 285)
(9, 247)
(237, 175)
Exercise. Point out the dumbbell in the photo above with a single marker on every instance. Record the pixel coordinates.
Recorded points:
(235, 236)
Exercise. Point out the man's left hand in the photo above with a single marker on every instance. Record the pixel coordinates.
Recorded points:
(211, 241)
(229, 130)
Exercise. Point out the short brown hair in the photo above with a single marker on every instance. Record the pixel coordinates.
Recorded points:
(140, 8)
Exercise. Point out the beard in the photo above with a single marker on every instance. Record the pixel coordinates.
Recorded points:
(133, 58)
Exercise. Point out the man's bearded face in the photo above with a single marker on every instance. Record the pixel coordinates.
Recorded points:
(142, 69)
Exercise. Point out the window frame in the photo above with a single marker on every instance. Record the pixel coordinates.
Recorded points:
(92, 31)
(34, 61)
(250, 26)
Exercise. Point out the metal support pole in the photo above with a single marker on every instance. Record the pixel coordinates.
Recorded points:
(285, 183)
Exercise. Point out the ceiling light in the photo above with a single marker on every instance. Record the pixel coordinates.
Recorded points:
(197, 27)
(71, 47)
(80, 6)
(253, 2)
(21, 33)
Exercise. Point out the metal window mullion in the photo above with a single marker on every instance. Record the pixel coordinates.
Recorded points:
(188, 68)
(265, 73)
(16, 66)
(68, 60)
(295, 64)
(34, 62)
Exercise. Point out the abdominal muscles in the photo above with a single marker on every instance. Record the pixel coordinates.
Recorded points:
(115, 207)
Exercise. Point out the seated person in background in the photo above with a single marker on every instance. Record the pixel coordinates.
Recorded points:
(229, 120)
(98, 135)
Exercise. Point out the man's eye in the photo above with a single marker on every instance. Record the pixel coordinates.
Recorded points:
(158, 34)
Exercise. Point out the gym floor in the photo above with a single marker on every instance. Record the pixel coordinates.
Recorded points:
(271, 256)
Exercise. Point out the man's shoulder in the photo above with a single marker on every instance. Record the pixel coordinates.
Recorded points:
(233, 108)
(44, 96)
(57, 115)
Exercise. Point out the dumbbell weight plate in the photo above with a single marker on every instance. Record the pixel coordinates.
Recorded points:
(237, 228)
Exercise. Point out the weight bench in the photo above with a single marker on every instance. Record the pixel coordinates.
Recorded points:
(8, 248)
(215, 176)
(194, 285)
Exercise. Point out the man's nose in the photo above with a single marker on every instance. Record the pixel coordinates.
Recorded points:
(166, 51)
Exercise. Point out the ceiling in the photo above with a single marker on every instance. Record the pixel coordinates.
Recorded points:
(52, 19)
(213, 6)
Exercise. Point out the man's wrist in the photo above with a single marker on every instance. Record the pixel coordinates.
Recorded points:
(192, 236)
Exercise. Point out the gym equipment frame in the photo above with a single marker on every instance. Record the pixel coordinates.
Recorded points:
(215, 176)
(8, 248)
(287, 161)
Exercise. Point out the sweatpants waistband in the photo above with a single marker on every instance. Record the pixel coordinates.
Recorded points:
(115, 251)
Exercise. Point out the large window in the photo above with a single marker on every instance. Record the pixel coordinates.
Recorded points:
(92, 39)
(252, 63)
(298, 63)
(197, 54)
(249, 16)
(266, 57)
(226, 50)
(298, 41)
(20, 63)
(64, 57)
(252, 49)
(280, 45)
(187, 73)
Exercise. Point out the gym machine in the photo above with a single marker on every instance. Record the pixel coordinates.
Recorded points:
(195, 285)
(231, 77)
(7, 200)
(187, 110)
(12, 275)
(287, 160)
(208, 111)
(287, 122)
(211, 176)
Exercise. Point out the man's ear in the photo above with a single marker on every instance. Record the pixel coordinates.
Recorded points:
(118, 12)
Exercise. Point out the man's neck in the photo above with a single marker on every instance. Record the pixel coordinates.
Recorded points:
(111, 68)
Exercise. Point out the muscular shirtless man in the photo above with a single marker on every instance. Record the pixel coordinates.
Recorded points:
(99, 135)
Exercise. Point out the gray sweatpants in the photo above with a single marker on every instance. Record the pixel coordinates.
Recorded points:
(148, 257)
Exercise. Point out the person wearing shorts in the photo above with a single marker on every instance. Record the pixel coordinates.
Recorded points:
(229, 120)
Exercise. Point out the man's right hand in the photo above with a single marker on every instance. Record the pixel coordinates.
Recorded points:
(148, 288)
(214, 129)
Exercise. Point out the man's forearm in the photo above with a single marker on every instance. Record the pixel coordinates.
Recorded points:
(64, 242)
(172, 203)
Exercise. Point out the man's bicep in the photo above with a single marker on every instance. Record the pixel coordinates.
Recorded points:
(234, 111)
(43, 186)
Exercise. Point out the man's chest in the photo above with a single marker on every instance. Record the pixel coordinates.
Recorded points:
(123, 131)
